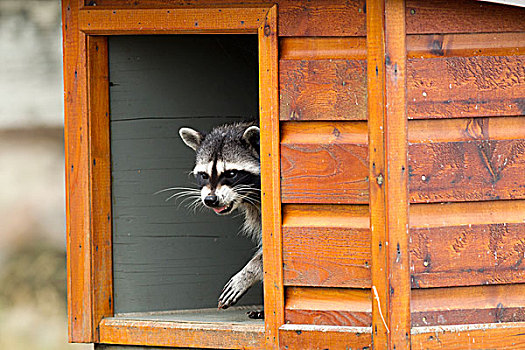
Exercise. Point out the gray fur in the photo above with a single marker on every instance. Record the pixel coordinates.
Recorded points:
(226, 147)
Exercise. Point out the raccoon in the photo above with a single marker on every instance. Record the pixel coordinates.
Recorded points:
(227, 170)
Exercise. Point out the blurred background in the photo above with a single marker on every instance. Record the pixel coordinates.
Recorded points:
(32, 226)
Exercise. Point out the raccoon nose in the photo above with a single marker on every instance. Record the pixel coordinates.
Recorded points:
(211, 200)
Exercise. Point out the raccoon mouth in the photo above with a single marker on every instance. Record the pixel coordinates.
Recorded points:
(223, 210)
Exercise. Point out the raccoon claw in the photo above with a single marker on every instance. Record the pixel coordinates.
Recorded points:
(256, 314)
(232, 292)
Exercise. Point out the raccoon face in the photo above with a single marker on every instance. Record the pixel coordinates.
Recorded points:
(227, 166)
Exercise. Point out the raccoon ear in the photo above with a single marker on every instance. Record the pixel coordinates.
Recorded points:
(251, 136)
(192, 138)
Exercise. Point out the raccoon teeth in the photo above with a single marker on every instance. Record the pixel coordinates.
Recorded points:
(221, 209)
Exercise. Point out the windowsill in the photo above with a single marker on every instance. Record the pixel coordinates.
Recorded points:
(205, 328)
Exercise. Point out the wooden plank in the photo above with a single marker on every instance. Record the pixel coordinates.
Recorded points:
(326, 246)
(467, 171)
(341, 150)
(270, 179)
(328, 306)
(468, 305)
(465, 16)
(100, 184)
(375, 21)
(453, 87)
(396, 179)
(222, 335)
(323, 89)
(79, 269)
(465, 45)
(322, 48)
(467, 243)
(478, 336)
(171, 21)
(296, 18)
(322, 18)
(324, 337)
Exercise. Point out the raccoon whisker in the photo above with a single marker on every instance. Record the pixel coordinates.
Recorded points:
(176, 188)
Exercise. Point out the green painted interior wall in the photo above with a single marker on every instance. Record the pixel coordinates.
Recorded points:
(165, 255)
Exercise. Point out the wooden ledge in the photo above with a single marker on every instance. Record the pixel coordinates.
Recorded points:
(177, 329)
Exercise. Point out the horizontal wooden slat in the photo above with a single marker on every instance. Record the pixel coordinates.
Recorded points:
(324, 337)
(322, 18)
(508, 336)
(465, 45)
(465, 16)
(324, 162)
(175, 20)
(319, 48)
(449, 160)
(467, 244)
(328, 306)
(200, 335)
(440, 87)
(326, 246)
(296, 18)
(418, 46)
(468, 305)
(453, 87)
(322, 89)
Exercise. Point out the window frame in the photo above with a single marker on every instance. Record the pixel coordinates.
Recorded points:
(88, 172)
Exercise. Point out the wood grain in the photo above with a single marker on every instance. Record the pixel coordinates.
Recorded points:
(375, 21)
(324, 163)
(464, 16)
(470, 244)
(468, 305)
(116, 330)
(322, 48)
(326, 246)
(270, 179)
(464, 159)
(324, 337)
(485, 336)
(171, 21)
(328, 306)
(76, 130)
(296, 18)
(453, 87)
(396, 178)
(100, 184)
(465, 45)
(323, 89)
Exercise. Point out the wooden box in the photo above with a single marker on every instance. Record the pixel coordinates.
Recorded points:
(392, 163)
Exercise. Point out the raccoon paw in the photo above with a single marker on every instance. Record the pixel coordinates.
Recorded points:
(256, 314)
(233, 291)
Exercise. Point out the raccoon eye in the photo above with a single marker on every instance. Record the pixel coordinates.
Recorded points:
(230, 173)
(203, 176)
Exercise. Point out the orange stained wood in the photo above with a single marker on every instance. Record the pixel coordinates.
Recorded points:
(323, 162)
(396, 177)
(376, 170)
(175, 20)
(328, 306)
(324, 337)
(199, 335)
(319, 48)
(338, 241)
(468, 305)
(295, 19)
(100, 184)
(323, 89)
(508, 336)
(270, 178)
(463, 16)
(76, 131)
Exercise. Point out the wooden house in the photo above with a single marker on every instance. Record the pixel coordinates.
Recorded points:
(392, 160)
